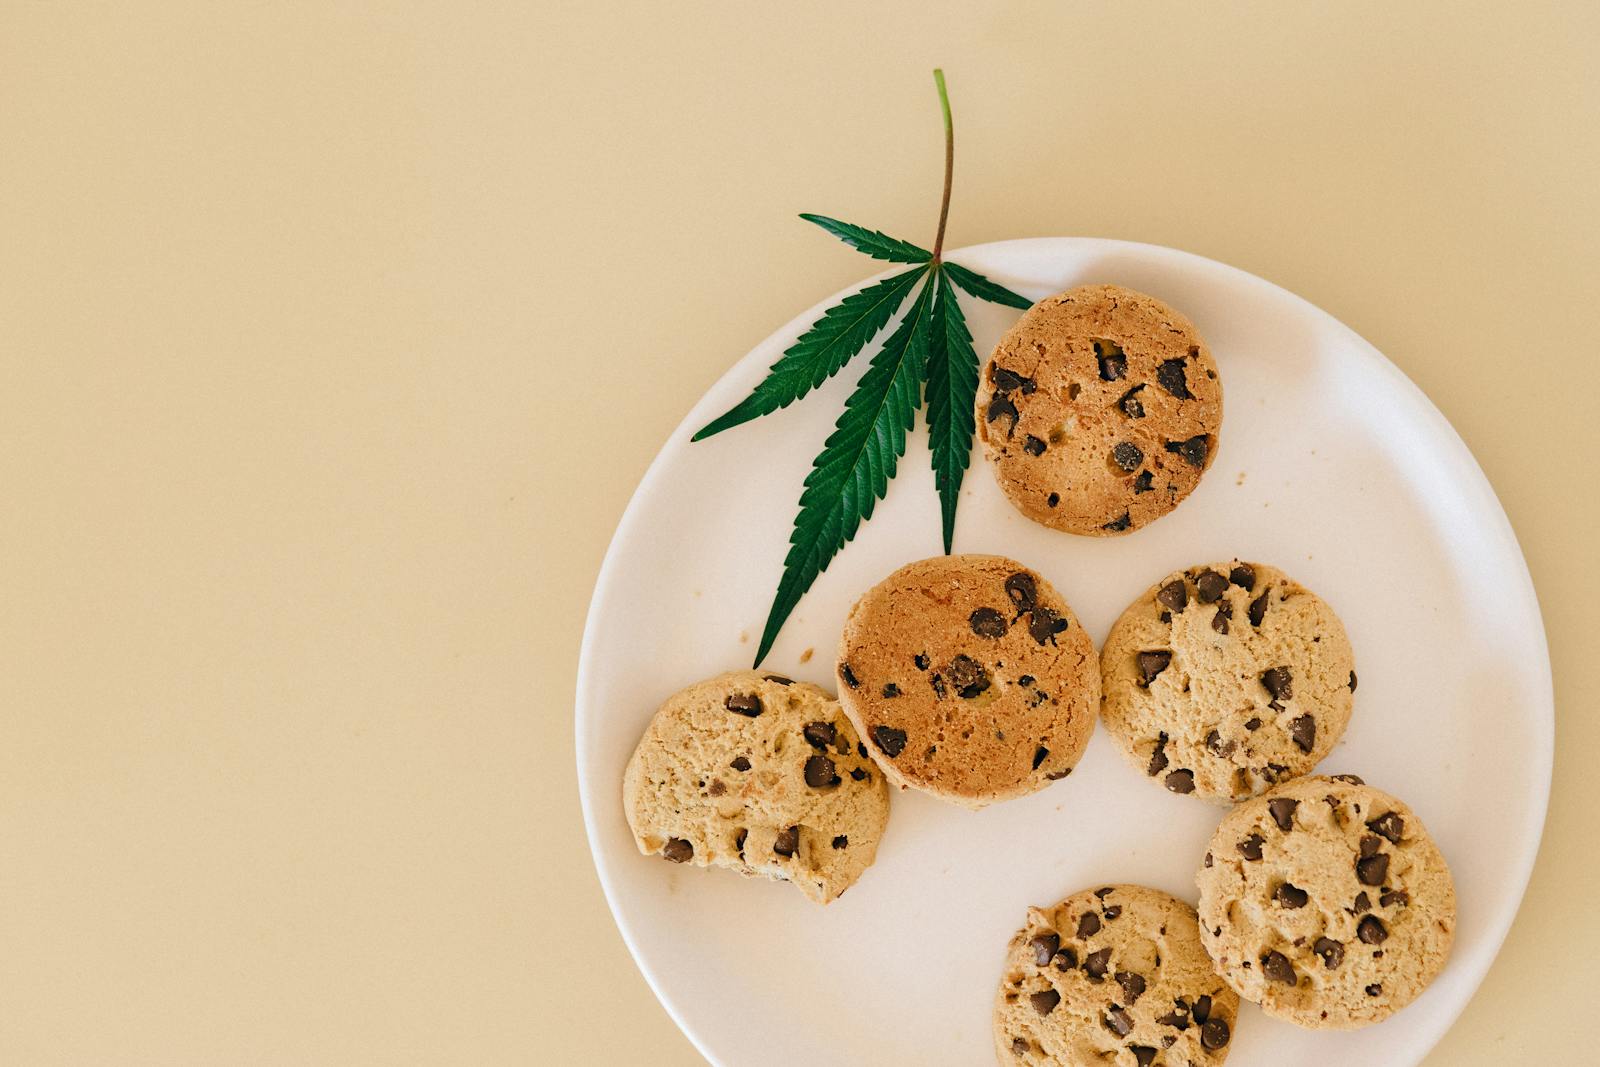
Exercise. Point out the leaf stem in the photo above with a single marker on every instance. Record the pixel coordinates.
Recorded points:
(949, 161)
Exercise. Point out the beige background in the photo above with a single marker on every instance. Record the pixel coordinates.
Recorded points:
(333, 338)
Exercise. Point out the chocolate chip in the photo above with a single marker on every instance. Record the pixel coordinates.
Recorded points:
(1214, 1034)
(1180, 781)
(1219, 747)
(1040, 754)
(1372, 870)
(1252, 724)
(1374, 989)
(747, 704)
(1152, 664)
(1392, 897)
(1010, 381)
(921, 660)
(1127, 456)
(1143, 1055)
(1208, 861)
(1351, 779)
(820, 774)
(738, 840)
(841, 841)
(1243, 575)
(678, 851)
(987, 622)
(1066, 959)
(1170, 376)
(1113, 364)
(1045, 1001)
(1112, 912)
(937, 683)
(1250, 847)
(1118, 524)
(1052, 500)
(1290, 896)
(892, 741)
(1002, 407)
(1034, 446)
(1144, 483)
(819, 734)
(778, 678)
(1303, 732)
(1023, 591)
(1174, 595)
(1282, 811)
(1219, 621)
(1056, 776)
(1044, 624)
(1371, 931)
(1088, 925)
(1044, 948)
(1275, 772)
(1202, 1009)
(1277, 967)
(1352, 681)
(1178, 1019)
(848, 676)
(1133, 986)
(1211, 586)
(717, 787)
(861, 750)
(1158, 758)
(1193, 450)
(1117, 1021)
(1362, 903)
(1389, 826)
(968, 676)
(1279, 682)
(1258, 608)
(1095, 964)
(858, 774)
(1331, 951)
(787, 842)
(740, 763)
(1019, 1045)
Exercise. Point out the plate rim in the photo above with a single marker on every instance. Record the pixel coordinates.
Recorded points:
(1456, 455)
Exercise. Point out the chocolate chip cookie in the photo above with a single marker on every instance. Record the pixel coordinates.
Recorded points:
(1326, 902)
(1223, 680)
(969, 677)
(762, 775)
(1113, 976)
(1099, 410)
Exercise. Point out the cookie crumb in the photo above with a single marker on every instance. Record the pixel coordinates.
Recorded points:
(805, 657)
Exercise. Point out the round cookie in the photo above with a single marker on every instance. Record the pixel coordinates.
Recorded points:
(1114, 976)
(1099, 410)
(1326, 902)
(969, 677)
(759, 774)
(1226, 679)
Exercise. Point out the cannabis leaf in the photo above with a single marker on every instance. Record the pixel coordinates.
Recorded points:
(931, 346)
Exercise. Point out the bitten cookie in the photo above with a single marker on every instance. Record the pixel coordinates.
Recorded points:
(969, 677)
(762, 775)
(1113, 976)
(1099, 410)
(1225, 679)
(1326, 902)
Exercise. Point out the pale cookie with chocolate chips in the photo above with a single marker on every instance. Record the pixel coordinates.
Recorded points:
(1099, 410)
(1114, 976)
(762, 775)
(1326, 902)
(1226, 679)
(970, 678)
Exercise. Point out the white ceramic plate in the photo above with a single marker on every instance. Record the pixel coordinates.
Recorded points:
(1331, 465)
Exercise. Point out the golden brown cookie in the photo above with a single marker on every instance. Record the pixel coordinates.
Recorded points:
(1114, 976)
(1222, 680)
(759, 774)
(1326, 902)
(1099, 410)
(969, 677)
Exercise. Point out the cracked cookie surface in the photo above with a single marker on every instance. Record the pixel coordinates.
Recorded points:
(1225, 679)
(1326, 902)
(1114, 976)
(969, 677)
(756, 773)
(1099, 410)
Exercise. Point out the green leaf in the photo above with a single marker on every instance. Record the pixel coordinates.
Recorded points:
(830, 342)
(984, 289)
(853, 470)
(873, 243)
(952, 388)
